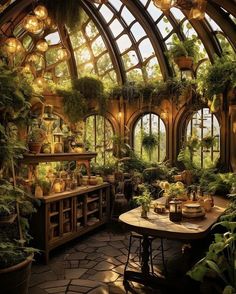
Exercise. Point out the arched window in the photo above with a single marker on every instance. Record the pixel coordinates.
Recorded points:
(150, 123)
(99, 133)
(203, 135)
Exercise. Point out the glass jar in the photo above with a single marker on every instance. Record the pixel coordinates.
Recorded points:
(175, 214)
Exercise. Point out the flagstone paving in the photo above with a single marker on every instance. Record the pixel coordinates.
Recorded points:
(94, 265)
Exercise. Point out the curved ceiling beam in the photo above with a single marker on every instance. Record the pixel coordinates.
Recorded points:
(228, 5)
(108, 39)
(223, 20)
(153, 33)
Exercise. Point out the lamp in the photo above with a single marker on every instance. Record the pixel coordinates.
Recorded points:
(32, 24)
(13, 45)
(196, 8)
(42, 45)
(41, 12)
(62, 54)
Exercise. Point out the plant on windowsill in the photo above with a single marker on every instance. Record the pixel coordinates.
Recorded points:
(144, 200)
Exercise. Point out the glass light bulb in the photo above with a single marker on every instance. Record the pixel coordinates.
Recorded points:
(32, 24)
(42, 45)
(41, 12)
(40, 82)
(62, 54)
(13, 45)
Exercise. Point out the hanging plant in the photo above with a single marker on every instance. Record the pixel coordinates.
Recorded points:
(220, 77)
(67, 12)
(149, 142)
(92, 90)
(74, 104)
(207, 142)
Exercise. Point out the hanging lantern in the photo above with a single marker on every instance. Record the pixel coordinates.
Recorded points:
(62, 54)
(198, 10)
(41, 12)
(42, 45)
(13, 45)
(32, 24)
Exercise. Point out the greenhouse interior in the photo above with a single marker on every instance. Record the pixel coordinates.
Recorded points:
(118, 146)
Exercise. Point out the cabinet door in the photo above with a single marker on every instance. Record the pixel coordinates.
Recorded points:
(80, 212)
(67, 216)
(54, 220)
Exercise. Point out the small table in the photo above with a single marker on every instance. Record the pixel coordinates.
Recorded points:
(159, 225)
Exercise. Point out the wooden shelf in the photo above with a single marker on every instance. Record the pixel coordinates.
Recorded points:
(53, 213)
(92, 211)
(53, 225)
(89, 200)
(67, 209)
(52, 157)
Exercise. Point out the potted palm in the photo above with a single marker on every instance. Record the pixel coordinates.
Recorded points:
(35, 139)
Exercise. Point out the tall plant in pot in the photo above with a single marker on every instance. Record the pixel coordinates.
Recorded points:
(15, 257)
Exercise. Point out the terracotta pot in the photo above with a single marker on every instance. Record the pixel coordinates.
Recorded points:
(15, 279)
(184, 62)
(34, 147)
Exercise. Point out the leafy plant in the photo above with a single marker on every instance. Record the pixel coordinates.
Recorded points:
(220, 259)
(37, 135)
(145, 198)
(11, 254)
(149, 142)
(74, 104)
(179, 48)
(207, 141)
(220, 76)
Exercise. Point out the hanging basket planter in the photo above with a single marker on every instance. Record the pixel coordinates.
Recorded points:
(184, 62)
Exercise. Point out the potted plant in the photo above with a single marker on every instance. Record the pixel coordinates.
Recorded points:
(144, 200)
(183, 52)
(35, 139)
(149, 142)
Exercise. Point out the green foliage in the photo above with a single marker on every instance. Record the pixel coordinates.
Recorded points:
(220, 76)
(207, 141)
(185, 156)
(67, 13)
(222, 183)
(13, 253)
(188, 47)
(37, 135)
(11, 148)
(15, 93)
(149, 142)
(74, 104)
(145, 198)
(220, 259)
(106, 169)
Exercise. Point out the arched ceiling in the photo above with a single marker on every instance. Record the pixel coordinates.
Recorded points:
(122, 40)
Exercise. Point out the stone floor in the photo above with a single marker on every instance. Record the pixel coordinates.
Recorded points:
(94, 264)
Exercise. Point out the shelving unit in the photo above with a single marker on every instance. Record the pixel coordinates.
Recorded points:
(59, 225)
(64, 216)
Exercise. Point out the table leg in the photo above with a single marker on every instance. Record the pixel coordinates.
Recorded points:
(145, 255)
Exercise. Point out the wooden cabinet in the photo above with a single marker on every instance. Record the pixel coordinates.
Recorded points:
(65, 216)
